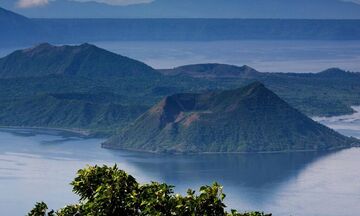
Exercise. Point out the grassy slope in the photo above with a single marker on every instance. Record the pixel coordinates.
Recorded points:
(311, 95)
(249, 119)
(85, 60)
(80, 102)
(328, 93)
(89, 76)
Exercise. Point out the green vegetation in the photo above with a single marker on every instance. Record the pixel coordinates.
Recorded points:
(78, 87)
(85, 60)
(85, 87)
(76, 111)
(108, 191)
(328, 93)
(248, 119)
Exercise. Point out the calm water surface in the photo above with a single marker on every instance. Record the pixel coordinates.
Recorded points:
(37, 165)
(345, 124)
(265, 56)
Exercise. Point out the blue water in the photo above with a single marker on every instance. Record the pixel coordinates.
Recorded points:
(265, 56)
(37, 165)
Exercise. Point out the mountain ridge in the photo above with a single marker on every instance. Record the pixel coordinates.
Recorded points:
(72, 82)
(19, 31)
(337, 73)
(247, 119)
(318, 9)
(83, 60)
(212, 70)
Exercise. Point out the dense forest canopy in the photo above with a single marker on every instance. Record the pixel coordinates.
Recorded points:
(109, 191)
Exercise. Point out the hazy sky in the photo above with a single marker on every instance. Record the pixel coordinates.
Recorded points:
(119, 2)
(37, 3)
(31, 3)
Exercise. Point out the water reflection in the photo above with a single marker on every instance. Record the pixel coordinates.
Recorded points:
(38, 165)
(253, 170)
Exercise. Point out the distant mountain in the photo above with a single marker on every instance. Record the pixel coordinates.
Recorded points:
(248, 119)
(72, 87)
(85, 60)
(17, 29)
(326, 93)
(299, 9)
(8, 17)
(213, 71)
(337, 73)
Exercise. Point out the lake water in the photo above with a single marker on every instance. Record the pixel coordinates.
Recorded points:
(346, 124)
(37, 165)
(266, 56)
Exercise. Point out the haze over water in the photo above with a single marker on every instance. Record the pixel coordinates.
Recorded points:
(37, 165)
(265, 56)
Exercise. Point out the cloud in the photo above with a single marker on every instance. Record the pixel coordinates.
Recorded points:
(354, 1)
(118, 2)
(31, 3)
(37, 3)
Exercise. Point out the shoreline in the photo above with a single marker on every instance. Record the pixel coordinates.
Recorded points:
(81, 132)
(355, 108)
(88, 134)
(226, 153)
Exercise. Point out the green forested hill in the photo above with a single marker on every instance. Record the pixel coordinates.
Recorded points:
(248, 119)
(76, 111)
(90, 88)
(85, 60)
(72, 87)
(330, 92)
(79, 87)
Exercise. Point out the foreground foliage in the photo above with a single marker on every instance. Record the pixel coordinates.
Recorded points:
(107, 191)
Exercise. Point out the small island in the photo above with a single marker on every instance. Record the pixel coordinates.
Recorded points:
(243, 120)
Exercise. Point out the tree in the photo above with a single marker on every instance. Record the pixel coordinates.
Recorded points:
(109, 191)
(40, 209)
(106, 191)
